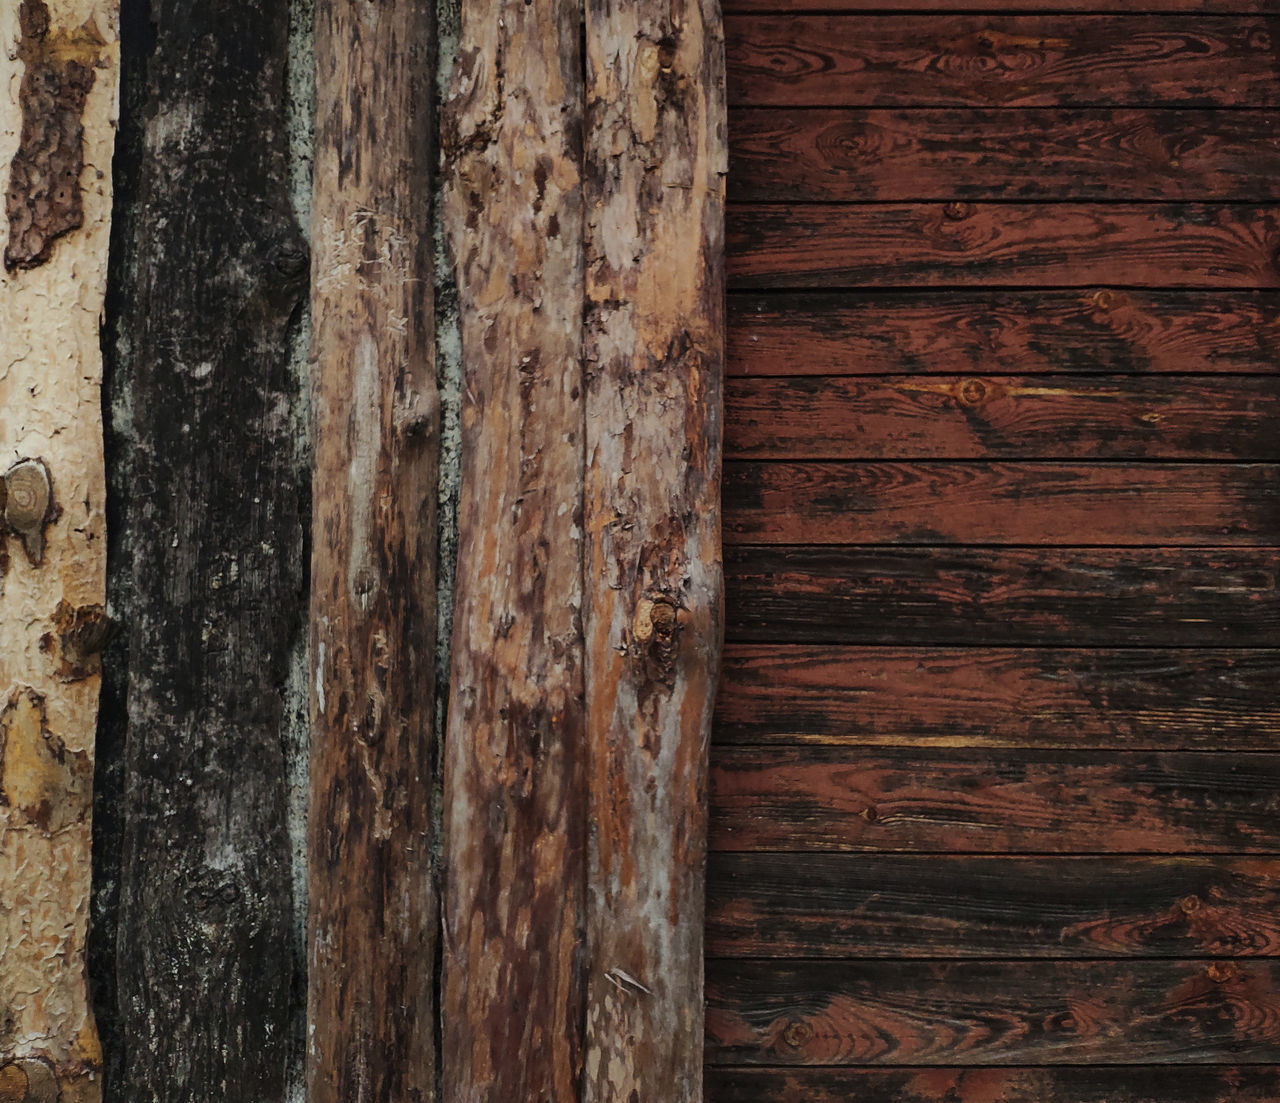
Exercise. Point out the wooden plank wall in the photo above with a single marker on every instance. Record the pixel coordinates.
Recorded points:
(994, 787)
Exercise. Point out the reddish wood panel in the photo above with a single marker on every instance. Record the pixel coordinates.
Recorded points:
(992, 1012)
(1127, 698)
(996, 59)
(1001, 503)
(1003, 416)
(1009, 244)
(846, 154)
(1101, 330)
(816, 798)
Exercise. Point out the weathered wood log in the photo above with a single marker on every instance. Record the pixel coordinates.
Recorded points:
(373, 910)
(655, 162)
(59, 69)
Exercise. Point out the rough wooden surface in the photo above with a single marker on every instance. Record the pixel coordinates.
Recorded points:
(371, 1031)
(59, 69)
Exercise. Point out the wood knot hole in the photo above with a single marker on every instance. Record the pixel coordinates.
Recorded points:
(666, 54)
(957, 211)
(973, 392)
(1190, 904)
(28, 1081)
(1222, 971)
(27, 501)
(797, 1033)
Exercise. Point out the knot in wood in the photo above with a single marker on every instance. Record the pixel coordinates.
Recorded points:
(27, 496)
(957, 211)
(28, 1081)
(655, 628)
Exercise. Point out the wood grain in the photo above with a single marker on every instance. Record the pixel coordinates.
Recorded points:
(1002, 503)
(992, 1012)
(1133, 698)
(847, 154)
(1030, 245)
(1102, 330)
(816, 798)
(997, 59)
(774, 7)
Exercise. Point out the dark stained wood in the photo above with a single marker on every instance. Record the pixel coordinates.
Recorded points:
(1002, 416)
(1100, 330)
(1005, 596)
(927, 906)
(1245, 7)
(992, 1012)
(832, 154)
(816, 798)
(1002, 503)
(996, 59)
(1010, 244)
(1106, 1084)
(1133, 698)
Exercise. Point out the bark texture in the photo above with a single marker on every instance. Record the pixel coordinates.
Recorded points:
(372, 898)
(59, 72)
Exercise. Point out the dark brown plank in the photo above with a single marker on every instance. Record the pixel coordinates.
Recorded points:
(834, 154)
(1133, 698)
(1003, 416)
(995, 59)
(990, 1012)
(1100, 330)
(1007, 244)
(1005, 596)
(1001, 503)
(816, 798)
(1242, 7)
(1107, 1084)
(918, 906)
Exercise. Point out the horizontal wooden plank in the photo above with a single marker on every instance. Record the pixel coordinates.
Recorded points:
(1001, 503)
(1103, 330)
(1004, 596)
(846, 154)
(995, 59)
(941, 800)
(1131, 698)
(1105, 1084)
(988, 1012)
(915, 906)
(1188, 245)
(1084, 417)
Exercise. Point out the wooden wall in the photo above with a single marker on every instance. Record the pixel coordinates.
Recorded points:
(994, 784)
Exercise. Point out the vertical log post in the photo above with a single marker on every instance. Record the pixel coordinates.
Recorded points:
(372, 899)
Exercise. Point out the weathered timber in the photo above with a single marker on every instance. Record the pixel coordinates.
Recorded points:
(997, 59)
(1187, 597)
(1002, 503)
(654, 353)
(816, 798)
(216, 515)
(1132, 698)
(1239, 7)
(1101, 330)
(516, 754)
(373, 911)
(926, 906)
(993, 1012)
(833, 154)
(1192, 245)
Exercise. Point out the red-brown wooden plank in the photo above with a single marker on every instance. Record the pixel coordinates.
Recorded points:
(937, 799)
(1129, 698)
(1001, 503)
(1003, 244)
(995, 59)
(834, 154)
(1097, 330)
(991, 1012)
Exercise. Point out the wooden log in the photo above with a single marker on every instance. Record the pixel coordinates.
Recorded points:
(996, 59)
(966, 332)
(1009, 244)
(371, 1029)
(515, 760)
(1076, 597)
(1130, 698)
(59, 71)
(993, 1012)
(1058, 504)
(816, 798)
(654, 349)
(916, 906)
(216, 512)
(848, 154)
